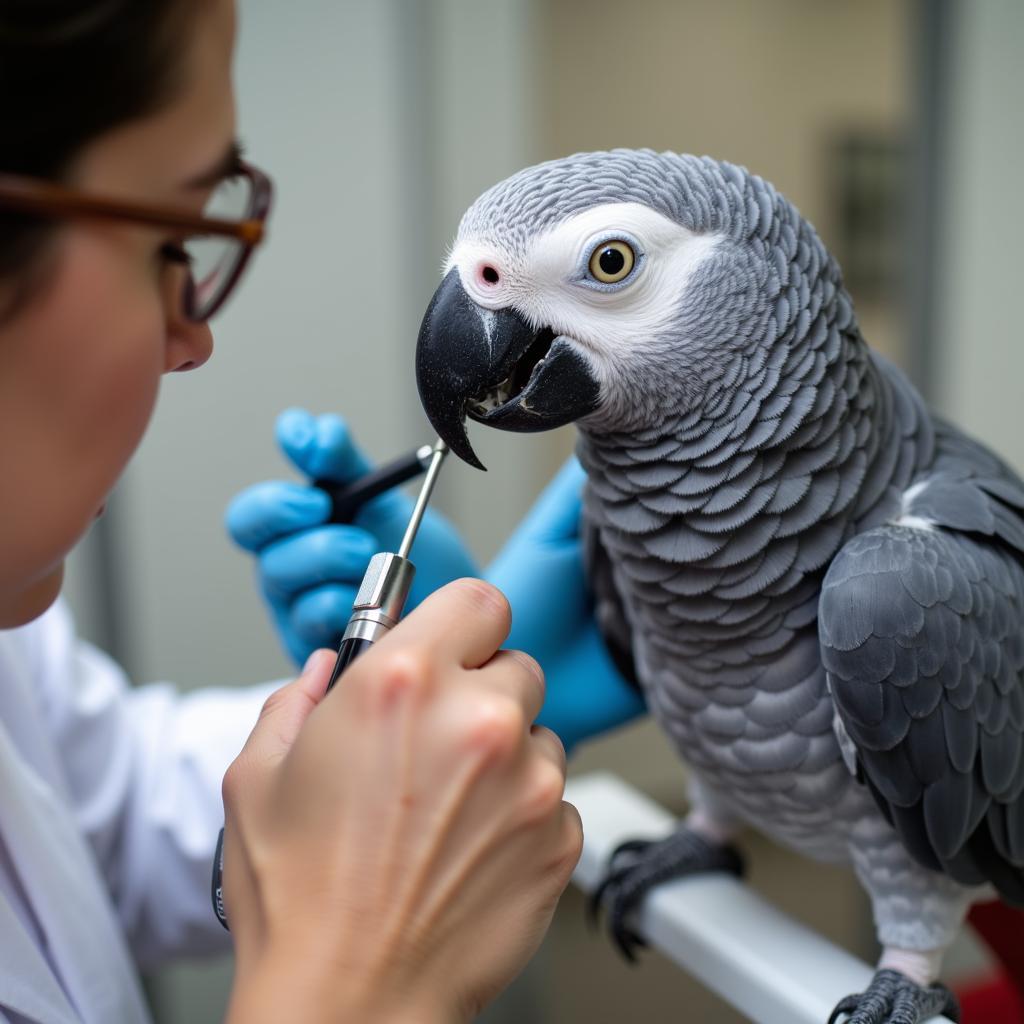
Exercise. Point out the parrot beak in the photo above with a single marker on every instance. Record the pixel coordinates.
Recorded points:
(494, 367)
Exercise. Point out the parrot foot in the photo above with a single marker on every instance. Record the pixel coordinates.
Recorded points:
(892, 998)
(638, 865)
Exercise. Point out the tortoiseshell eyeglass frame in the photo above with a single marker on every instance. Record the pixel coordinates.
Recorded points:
(42, 198)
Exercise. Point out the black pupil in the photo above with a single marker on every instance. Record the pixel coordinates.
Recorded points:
(612, 261)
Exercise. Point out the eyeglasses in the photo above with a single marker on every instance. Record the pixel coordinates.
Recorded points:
(218, 243)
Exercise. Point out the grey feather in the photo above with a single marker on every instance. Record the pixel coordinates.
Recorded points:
(962, 660)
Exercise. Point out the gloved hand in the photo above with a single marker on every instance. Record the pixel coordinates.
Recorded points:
(309, 569)
(540, 571)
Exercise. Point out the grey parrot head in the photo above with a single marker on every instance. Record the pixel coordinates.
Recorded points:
(616, 290)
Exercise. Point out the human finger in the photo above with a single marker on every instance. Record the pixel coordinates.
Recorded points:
(318, 616)
(549, 746)
(518, 676)
(272, 509)
(286, 709)
(572, 825)
(463, 623)
(326, 554)
(320, 446)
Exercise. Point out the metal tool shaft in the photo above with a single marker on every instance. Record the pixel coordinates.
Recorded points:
(440, 451)
(381, 599)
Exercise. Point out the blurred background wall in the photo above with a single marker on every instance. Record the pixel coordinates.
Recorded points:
(893, 124)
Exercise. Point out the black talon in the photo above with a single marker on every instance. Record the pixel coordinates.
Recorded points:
(845, 1005)
(627, 942)
(638, 865)
(614, 876)
(595, 903)
(630, 846)
(892, 998)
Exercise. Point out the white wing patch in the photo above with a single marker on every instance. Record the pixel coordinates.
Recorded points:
(847, 748)
(906, 516)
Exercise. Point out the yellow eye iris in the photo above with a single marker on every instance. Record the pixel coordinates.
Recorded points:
(612, 262)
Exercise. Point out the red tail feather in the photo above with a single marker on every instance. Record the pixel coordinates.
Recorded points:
(1002, 929)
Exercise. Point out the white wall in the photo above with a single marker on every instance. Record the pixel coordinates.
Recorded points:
(319, 322)
(980, 343)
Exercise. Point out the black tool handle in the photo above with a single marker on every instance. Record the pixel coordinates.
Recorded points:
(348, 498)
(350, 649)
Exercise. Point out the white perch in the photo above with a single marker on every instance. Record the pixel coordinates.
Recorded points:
(770, 968)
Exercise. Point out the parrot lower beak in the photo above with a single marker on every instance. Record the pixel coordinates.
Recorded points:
(494, 367)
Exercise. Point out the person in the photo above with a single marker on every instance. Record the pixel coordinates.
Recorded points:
(393, 850)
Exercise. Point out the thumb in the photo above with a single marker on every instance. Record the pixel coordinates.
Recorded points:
(321, 447)
(286, 710)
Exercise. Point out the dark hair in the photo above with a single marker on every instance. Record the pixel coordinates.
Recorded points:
(71, 70)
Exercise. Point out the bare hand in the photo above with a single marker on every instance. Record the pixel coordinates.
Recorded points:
(396, 850)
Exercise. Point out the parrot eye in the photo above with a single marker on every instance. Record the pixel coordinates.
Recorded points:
(612, 261)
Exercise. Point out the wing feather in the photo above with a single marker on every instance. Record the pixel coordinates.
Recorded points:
(922, 636)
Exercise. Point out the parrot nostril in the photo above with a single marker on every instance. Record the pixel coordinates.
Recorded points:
(489, 274)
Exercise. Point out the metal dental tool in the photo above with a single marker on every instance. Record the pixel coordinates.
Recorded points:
(385, 588)
(382, 595)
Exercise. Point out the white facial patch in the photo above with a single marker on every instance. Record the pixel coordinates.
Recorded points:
(546, 279)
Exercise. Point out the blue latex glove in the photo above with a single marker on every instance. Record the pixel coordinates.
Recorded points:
(309, 569)
(540, 571)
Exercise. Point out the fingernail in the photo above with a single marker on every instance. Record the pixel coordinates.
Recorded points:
(527, 661)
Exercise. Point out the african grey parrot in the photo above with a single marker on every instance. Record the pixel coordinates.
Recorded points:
(820, 584)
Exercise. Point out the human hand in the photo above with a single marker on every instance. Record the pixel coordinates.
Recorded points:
(540, 571)
(309, 569)
(395, 850)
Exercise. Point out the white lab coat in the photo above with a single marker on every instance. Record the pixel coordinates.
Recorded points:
(109, 811)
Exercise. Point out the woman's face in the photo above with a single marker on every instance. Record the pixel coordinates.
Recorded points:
(80, 363)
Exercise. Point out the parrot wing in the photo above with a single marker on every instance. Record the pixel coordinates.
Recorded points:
(921, 625)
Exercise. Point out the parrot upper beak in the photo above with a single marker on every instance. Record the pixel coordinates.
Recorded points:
(493, 366)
